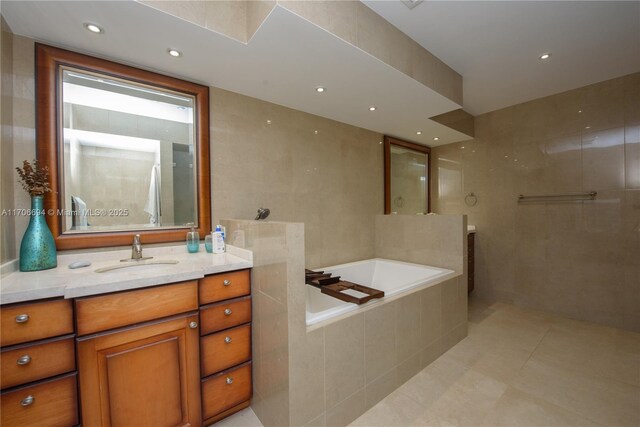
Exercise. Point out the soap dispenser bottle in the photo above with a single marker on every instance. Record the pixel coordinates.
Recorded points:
(193, 240)
(218, 241)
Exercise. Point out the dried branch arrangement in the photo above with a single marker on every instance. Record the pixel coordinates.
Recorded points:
(34, 178)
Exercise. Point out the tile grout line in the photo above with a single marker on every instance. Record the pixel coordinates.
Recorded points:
(533, 351)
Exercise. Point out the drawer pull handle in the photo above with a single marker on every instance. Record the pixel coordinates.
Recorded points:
(227, 312)
(229, 380)
(226, 282)
(24, 360)
(227, 340)
(22, 318)
(193, 325)
(27, 401)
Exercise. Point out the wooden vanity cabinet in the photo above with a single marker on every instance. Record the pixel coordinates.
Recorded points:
(38, 365)
(143, 373)
(177, 354)
(225, 344)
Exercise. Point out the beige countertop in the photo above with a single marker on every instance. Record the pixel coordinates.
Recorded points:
(73, 283)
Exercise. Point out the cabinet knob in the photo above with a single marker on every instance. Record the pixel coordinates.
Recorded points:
(24, 360)
(226, 282)
(227, 312)
(193, 325)
(28, 400)
(22, 318)
(227, 340)
(229, 380)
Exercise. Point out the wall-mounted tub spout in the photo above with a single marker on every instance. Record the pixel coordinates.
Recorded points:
(263, 213)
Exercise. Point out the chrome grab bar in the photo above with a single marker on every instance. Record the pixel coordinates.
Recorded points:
(558, 197)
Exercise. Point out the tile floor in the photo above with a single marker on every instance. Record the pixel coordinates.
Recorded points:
(517, 367)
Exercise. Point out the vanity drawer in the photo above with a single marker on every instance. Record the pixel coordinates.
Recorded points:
(219, 287)
(100, 313)
(35, 321)
(225, 349)
(50, 403)
(26, 363)
(223, 315)
(226, 390)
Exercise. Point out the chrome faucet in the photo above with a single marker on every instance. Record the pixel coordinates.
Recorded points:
(136, 251)
(136, 248)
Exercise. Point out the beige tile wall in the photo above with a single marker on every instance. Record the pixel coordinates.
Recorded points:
(578, 259)
(331, 181)
(18, 122)
(437, 240)
(278, 264)
(7, 223)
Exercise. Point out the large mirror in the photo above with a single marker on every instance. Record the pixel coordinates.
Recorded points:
(406, 177)
(127, 148)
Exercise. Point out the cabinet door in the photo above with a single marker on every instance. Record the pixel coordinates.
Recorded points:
(144, 375)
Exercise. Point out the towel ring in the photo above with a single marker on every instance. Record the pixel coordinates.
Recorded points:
(470, 199)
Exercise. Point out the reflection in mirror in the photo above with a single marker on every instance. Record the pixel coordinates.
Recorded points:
(406, 177)
(127, 150)
(128, 154)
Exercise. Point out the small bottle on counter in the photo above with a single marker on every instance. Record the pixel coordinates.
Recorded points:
(193, 240)
(218, 241)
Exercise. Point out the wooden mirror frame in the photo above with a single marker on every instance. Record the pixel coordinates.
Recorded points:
(48, 110)
(388, 141)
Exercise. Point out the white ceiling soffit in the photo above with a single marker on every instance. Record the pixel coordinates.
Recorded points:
(495, 45)
(283, 63)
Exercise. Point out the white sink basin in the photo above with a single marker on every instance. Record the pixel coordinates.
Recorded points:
(133, 264)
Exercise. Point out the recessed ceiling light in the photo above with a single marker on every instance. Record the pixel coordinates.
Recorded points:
(419, 132)
(435, 138)
(174, 53)
(373, 108)
(579, 111)
(315, 131)
(320, 89)
(93, 28)
(545, 56)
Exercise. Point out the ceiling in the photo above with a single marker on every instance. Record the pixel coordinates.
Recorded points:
(286, 59)
(495, 45)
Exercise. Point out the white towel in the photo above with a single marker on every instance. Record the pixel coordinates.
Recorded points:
(82, 219)
(153, 200)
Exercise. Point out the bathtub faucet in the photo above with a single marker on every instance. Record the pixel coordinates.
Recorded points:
(263, 213)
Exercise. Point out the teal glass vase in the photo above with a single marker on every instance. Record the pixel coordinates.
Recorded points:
(38, 248)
